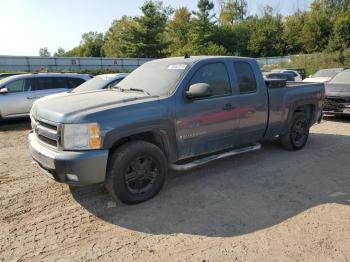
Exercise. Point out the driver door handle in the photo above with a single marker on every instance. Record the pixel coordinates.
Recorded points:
(228, 107)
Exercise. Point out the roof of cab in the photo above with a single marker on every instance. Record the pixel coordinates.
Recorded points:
(194, 59)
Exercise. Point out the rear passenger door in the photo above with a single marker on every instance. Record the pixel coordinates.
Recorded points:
(253, 104)
(44, 86)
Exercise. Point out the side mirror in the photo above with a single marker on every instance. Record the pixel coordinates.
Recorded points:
(4, 90)
(200, 90)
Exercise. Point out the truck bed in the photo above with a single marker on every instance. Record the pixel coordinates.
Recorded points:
(283, 99)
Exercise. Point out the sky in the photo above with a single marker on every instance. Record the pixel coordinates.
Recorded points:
(27, 25)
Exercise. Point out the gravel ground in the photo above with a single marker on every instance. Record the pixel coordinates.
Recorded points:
(271, 205)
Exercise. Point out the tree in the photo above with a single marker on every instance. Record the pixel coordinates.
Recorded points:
(60, 52)
(292, 34)
(148, 34)
(178, 30)
(118, 39)
(340, 39)
(233, 11)
(90, 46)
(317, 29)
(235, 38)
(266, 32)
(44, 52)
(203, 32)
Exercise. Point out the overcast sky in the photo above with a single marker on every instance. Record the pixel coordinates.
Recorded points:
(27, 25)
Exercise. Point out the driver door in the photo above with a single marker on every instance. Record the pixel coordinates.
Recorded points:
(208, 125)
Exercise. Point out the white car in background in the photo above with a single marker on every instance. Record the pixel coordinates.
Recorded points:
(18, 92)
(323, 75)
(100, 82)
(296, 74)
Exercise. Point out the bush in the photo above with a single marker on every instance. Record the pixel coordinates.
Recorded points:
(317, 61)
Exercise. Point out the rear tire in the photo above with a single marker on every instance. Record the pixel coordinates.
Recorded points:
(136, 172)
(298, 132)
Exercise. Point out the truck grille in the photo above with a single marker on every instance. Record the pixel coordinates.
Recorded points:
(336, 104)
(46, 132)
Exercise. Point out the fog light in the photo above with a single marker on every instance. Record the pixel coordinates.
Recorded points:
(73, 178)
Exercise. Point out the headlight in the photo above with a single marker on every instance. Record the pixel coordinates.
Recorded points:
(81, 136)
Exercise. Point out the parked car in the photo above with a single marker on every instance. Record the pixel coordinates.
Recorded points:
(100, 82)
(177, 112)
(296, 74)
(323, 75)
(338, 94)
(18, 92)
(3, 75)
(283, 76)
(301, 71)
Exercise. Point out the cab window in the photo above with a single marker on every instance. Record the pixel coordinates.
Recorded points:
(245, 77)
(74, 82)
(215, 75)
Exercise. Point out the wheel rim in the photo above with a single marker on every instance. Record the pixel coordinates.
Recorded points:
(141, 175)
(299, 132)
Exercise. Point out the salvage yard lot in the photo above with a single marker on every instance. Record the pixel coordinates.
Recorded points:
(267, 206)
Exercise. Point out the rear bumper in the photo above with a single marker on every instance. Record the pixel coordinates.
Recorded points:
(89, 166)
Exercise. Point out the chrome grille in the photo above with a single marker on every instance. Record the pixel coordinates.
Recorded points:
(46, 132)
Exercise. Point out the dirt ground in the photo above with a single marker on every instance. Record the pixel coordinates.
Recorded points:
(272, 205)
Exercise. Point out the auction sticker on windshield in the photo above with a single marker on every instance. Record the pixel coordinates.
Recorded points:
(177, 67)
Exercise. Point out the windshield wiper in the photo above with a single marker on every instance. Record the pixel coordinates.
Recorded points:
(134, 90)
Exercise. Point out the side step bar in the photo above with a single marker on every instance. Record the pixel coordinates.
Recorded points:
(205, 160)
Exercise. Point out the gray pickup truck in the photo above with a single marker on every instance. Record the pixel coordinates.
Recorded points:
(176, 112)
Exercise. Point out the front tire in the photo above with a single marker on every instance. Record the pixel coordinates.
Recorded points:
(136, 172)
(298, 132)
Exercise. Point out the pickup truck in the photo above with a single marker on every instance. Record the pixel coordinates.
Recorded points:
(174, 112)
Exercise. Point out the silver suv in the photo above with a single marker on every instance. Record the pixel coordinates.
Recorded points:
(17, 93)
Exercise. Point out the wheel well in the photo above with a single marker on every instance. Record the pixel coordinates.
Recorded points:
(150, 137)
(309, 110)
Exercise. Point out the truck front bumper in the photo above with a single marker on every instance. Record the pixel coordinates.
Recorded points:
(88, 167)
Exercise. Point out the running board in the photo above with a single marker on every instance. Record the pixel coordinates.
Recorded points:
(205, 160)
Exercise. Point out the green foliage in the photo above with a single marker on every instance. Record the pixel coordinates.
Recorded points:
(60, 52)
(341, 33)
(266, 35)
(293, 26)
(159, 32)
(147, 35)
(316, 61)
(233, 11)
(317, 29)
(178, 30)
(118, 39)
(202, 35)
(44, 52)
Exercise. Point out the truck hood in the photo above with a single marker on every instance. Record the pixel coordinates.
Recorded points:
(58, 108)
(341, 90)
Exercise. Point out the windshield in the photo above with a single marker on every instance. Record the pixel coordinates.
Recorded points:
(327, 73)
(95, 83)
(158, 78)
(341, 78)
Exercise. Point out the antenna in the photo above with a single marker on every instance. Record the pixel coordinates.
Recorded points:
(187, 56)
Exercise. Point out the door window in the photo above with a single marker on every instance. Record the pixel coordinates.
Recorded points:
(112, 84)
(245, 77)
(44, 83)
(216, 76)
(19, 85)
(74, 82)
